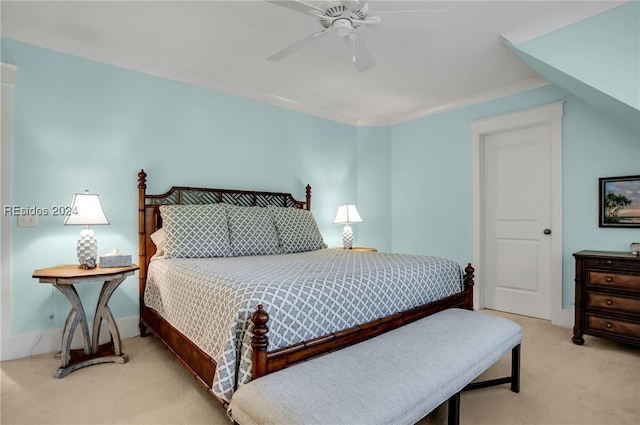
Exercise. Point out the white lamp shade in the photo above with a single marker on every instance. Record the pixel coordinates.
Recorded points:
(86, 210)
(347, 214)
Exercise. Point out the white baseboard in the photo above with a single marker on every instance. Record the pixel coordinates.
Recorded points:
(49, 341)
(564, 318)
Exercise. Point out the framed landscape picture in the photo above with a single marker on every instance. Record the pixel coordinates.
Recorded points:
(619, 201)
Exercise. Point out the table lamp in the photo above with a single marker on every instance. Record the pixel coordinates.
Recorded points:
(86, 210)
(346, 215)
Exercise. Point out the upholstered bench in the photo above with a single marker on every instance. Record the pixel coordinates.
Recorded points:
(398, 377)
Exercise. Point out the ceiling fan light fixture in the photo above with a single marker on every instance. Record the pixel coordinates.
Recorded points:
(342, 27)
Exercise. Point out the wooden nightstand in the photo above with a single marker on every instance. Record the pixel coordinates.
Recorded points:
(64, 278)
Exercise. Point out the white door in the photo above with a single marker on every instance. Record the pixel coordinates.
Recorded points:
(516, 188)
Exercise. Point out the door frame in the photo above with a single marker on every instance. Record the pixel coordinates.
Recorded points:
(551, 115)
(7, 78)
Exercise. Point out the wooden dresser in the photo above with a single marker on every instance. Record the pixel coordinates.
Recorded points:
(607, 296)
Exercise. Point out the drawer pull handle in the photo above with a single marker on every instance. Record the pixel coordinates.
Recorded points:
(608, 302)
(609, 279)
(609, 262)
(608, 325)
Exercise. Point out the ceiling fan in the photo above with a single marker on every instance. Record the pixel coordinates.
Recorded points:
(343, 18)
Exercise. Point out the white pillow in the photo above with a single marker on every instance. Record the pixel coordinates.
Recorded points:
(158, 240)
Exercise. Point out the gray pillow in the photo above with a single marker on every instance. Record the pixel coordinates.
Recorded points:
(297, 230)
(195, 231)
(252, 231)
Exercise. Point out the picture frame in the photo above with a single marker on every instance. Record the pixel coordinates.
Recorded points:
(619, 201)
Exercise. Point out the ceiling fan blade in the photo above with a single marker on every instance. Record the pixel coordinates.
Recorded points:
(298, 6)
(412, 20)
(296, 46)
(370, 20)
(353, 4)
(411, 11)
(362, 58)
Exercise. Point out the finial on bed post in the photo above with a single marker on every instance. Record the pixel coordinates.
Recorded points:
(259, 342)
(142, 180)
(468, 285)
(468, 275)
(308, 190)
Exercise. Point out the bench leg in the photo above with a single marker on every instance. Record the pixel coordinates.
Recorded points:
(453, 414)
(514, 379)
(515, 369)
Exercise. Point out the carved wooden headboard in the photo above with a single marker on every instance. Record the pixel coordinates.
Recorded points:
(149, 219)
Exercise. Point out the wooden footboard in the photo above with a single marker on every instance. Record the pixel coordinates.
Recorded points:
(202, 367)
(200, 364)
(265, 361)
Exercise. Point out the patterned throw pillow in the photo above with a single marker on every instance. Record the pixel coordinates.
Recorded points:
(297, 230)
(252, 231)
(195, 231)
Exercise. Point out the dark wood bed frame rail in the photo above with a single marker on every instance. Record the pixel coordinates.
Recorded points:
(200, 364)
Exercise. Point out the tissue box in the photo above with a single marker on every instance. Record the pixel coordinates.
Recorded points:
(115, 260)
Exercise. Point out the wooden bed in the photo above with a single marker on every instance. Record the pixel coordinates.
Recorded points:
(200, 364)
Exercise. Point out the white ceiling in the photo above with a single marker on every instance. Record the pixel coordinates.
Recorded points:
(425, 61)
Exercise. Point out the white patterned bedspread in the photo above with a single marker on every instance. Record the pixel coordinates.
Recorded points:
(307, 295)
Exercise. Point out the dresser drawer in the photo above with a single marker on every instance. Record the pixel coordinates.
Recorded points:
(613, 326)
(624, 281)
(607, 296)
(613, 302)
(610, 263)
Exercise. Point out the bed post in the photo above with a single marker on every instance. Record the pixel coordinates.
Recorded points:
(142, 245)
(259, 342)
(308, 191)
(468, 285)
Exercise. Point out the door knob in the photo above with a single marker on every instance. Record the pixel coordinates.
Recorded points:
(547, 231)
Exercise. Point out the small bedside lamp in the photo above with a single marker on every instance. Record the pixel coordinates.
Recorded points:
(346, 215)
(86, 210)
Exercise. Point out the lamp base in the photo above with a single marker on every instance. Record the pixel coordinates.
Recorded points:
(347, 237)
(87, 246)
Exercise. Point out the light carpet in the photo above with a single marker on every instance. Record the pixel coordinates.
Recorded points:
(561, 384)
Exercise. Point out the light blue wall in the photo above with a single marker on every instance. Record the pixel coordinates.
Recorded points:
(602, 51)
(80, 124)
(431, 187)
(431, 165)
(374, 188)
(596, 60)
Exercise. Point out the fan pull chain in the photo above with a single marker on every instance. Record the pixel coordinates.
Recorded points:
(353, 50)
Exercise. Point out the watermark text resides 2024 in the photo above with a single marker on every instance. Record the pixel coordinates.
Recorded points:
(54, 210)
